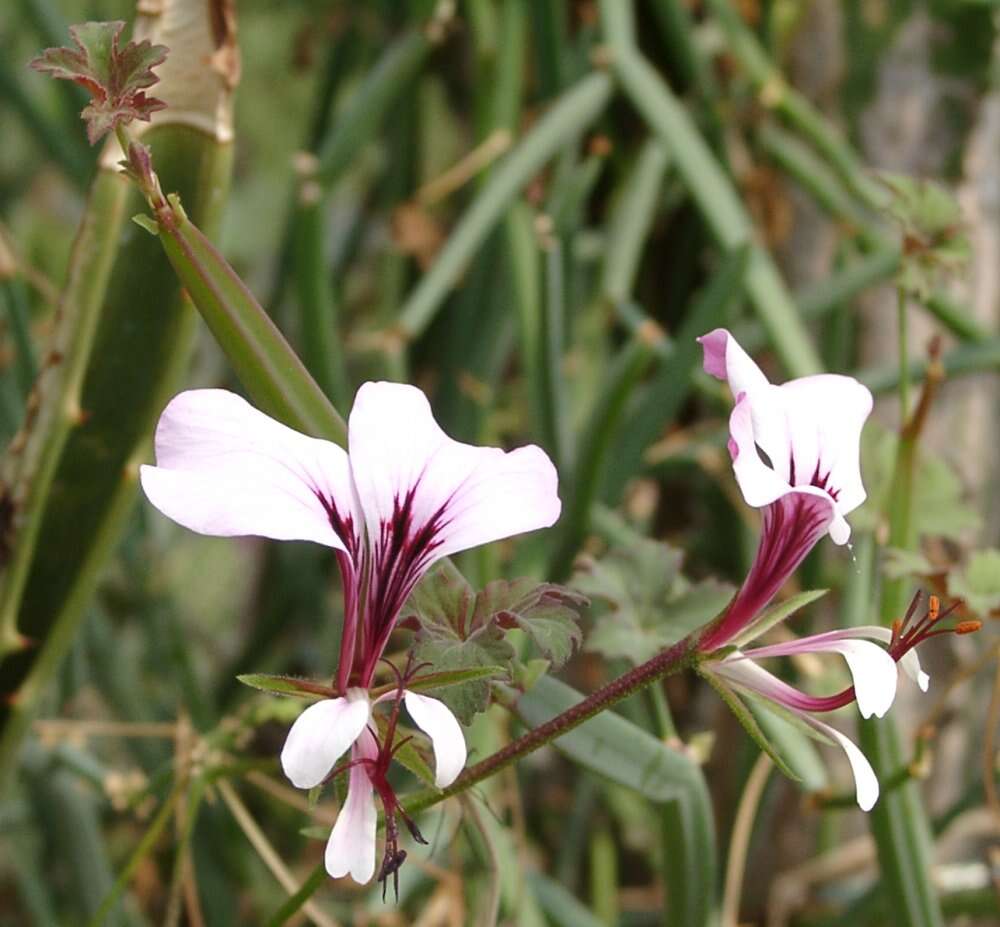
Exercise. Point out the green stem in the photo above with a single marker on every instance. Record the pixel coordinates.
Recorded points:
(904, 355)
(794, 108)
(142, 850)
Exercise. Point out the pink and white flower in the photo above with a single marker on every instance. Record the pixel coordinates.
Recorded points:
(744, 674)
(403, 496)
(796, 455)
(873, 671)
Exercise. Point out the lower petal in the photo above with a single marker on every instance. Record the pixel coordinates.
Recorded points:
(351, 847)
(865, 781)
(319, 737)
(435, 719)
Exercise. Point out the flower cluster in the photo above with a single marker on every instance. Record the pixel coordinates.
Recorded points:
(404, 495)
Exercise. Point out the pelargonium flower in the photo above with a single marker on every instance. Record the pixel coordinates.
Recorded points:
(873, 672)
(796, 455)
(403, 496)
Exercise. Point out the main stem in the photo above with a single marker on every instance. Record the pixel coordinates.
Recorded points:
(665, 663)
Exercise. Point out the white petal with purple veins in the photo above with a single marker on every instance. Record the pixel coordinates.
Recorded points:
(449, 496)
(321, 735)
(872, 669)
(224, 468)
(435, 719)
(865, 781)
(351, 847)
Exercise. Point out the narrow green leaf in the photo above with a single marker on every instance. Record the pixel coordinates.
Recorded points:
(261, 357)
(561, 907)
(285, 685)
(776, 614)
(618, 750)
(709, 185)
(748, 722)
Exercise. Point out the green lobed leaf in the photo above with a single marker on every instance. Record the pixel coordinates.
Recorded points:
(939, 507)
(546, 612)
(979, 582)
(461, 632)
(115, 77)
(641, 600)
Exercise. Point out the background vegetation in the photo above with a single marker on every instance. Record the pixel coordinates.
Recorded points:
(529, 208)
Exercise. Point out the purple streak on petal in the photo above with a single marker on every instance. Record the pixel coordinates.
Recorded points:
(791, 527)
(399, 558)
(743, 671)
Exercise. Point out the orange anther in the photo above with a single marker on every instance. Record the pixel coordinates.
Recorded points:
(968, 627)
(933, 608)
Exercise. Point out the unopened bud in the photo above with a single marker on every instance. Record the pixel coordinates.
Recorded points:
(968, 627)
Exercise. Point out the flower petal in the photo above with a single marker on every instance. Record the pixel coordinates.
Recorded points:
(351, 847)
(742, 671)
(319, 737)
(226, 469)
(865, 781)
(825, 415)
(909, 661)
(417, 486)
(759, 482)
(872, 669)
(435, 719)
(726, 360)
(790, 528)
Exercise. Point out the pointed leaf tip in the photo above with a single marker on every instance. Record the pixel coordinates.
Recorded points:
(115, 77)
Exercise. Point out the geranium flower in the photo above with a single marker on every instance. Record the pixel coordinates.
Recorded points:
(403, 496)
(796, 455)
(873, 672)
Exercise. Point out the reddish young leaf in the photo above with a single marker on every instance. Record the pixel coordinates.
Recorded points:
(114, 77)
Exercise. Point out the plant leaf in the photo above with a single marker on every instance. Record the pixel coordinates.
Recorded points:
(979, 582)
(776, 614)
(641, 600)
(464, 633)
(286, 685)
(115, 77)
(547, 613)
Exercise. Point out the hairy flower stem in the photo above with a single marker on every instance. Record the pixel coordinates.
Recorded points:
(674, 658)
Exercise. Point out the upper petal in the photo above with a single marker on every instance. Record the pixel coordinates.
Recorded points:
(440, 725)
(319, 737)
(824, 416)
(351, 847)
(419, 487)
(225, 468)
(725, 359)
(759, 482)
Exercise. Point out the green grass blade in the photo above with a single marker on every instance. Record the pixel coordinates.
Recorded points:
(710, 187)
(566, 119)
